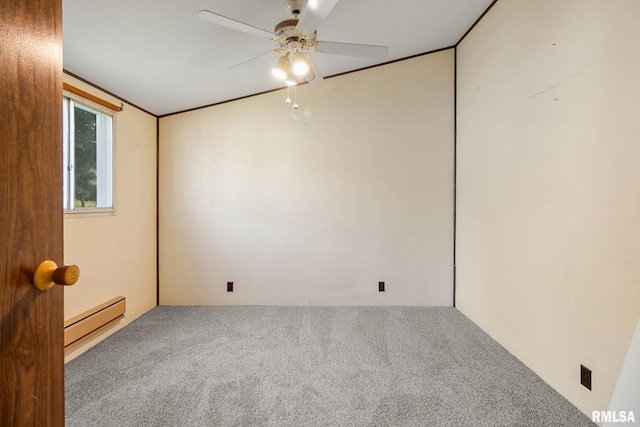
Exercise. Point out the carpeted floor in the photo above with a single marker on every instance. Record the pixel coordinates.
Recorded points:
(307, 366)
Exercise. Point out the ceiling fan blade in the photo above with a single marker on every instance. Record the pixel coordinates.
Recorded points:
(313, 14)
(251, 59)
(352, 49)
(214, 18)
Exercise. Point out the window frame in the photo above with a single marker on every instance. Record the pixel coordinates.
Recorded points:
(75, 212)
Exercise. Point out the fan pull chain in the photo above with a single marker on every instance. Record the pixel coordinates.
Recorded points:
(295, 97)
(288, 100)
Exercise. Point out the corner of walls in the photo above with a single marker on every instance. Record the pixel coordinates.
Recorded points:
(117, 254)
(547, 238)
(455, 167)
(157, 211)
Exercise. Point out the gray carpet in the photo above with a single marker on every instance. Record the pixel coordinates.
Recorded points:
(307, 366)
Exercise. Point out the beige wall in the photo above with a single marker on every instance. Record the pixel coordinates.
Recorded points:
(314, 206)
(117, 254)
(548, 242)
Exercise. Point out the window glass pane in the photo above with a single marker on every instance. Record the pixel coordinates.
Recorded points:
(85, 155)
(104, 161)
(88, 157)
(65, 153)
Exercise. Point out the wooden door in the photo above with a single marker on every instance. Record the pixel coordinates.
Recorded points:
(31, 322)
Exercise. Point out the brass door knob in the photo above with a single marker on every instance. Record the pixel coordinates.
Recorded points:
(48, 274)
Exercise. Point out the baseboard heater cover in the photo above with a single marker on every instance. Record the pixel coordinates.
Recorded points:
(81, 327)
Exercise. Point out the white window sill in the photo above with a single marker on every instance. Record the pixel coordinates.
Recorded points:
(88, 213)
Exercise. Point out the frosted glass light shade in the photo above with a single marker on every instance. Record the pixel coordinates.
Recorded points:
(300, 64)
(280, 70)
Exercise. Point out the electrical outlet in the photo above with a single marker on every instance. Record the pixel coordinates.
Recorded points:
(585, 376)
(229, 286)
(380, 286)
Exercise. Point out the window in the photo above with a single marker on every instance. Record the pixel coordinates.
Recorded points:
(88, 157)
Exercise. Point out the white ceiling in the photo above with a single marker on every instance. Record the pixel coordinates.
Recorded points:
(157, 55)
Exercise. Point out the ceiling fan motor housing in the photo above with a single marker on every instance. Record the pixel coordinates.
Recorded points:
(290, 38)
(286, 30)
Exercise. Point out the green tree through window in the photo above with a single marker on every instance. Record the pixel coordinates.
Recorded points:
(85, 166)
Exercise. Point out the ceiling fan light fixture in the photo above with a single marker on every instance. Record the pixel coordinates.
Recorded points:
(300, 64)
(280, 70)
(297, 38)
(310, 76)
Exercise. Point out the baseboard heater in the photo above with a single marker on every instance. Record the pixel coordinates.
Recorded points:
(79, 328)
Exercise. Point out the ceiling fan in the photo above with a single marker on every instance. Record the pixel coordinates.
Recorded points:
(297, 38)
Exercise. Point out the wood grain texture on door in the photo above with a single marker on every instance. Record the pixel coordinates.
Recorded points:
(31, 333)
